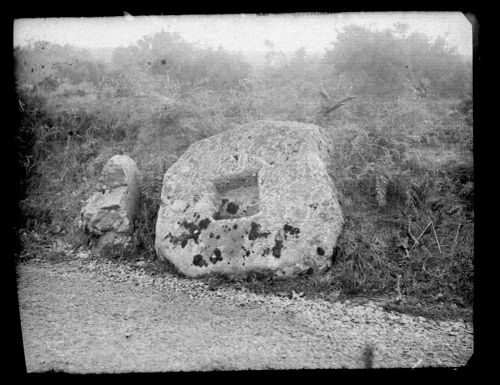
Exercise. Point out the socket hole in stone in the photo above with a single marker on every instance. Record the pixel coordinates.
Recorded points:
(238, 196)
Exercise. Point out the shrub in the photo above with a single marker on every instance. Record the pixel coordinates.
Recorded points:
(167, 55)
(388, 63)
(390, 195)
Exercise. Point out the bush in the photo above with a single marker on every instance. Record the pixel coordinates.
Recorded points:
(390, 195)
(389, 63)
(166, 55)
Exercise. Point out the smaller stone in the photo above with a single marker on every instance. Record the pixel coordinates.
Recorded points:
(110, 212)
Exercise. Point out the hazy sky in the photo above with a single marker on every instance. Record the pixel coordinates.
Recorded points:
(239, 32)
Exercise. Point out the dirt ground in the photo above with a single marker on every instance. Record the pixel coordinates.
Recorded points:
(89, 316)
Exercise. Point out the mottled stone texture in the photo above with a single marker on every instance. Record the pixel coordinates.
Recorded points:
(253, 199)
(110, 212)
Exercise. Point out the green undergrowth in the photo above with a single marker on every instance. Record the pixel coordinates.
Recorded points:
(408, 204)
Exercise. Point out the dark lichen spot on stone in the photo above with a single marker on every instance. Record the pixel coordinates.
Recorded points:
(320, 251)
(182, 239)
(189, 225)
(211, 235)
(204, 223)
(217, 237)
(291, 230)
(235, 226)
(217, 257)
(235, 157)
(247, 253)
(199, 261)
(232, 208)
(255, 232)
(265, 251)
(313, 206)
(194, 232)
(278, 245)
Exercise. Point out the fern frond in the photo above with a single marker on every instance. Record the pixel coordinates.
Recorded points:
(381, 183)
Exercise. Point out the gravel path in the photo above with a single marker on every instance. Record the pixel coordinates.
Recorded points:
(87, 316)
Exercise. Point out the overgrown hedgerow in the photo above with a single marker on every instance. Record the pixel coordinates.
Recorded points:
(389, 197)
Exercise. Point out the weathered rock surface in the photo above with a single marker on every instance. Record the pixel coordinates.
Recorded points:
(255, 198)
(111, 210)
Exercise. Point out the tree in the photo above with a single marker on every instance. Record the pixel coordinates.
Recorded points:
(48, 63)
(387, 63)
(166, 56)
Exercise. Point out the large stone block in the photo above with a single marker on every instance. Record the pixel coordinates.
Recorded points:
(110, 212)
(254, 198)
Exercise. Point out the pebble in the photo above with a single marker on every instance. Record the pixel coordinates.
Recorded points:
(322, 315)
